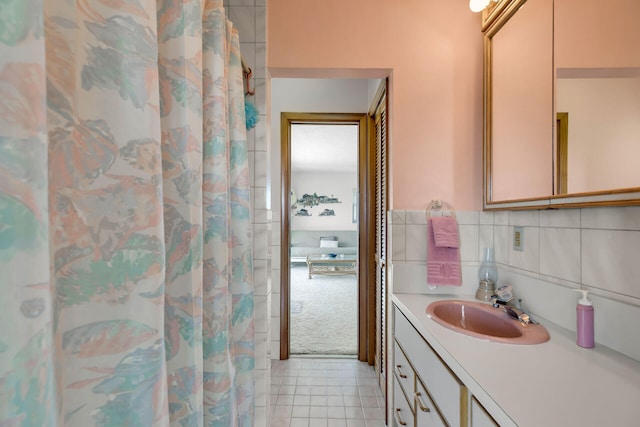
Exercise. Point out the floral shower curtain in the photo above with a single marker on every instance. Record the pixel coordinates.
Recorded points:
(126, 288)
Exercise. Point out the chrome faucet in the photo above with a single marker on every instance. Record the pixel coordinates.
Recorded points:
(514, 311)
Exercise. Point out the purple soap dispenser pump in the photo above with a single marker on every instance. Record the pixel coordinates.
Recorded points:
(584, 317)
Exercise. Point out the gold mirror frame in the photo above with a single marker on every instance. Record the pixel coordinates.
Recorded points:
(494, 17)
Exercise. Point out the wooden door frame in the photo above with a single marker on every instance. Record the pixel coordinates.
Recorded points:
(365, 242)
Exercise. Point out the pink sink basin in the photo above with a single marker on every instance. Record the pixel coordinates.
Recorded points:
(485, 322)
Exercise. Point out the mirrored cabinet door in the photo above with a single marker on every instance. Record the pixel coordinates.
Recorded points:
(562, 104)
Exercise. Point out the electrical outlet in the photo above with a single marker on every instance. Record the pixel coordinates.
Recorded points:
(518, 239)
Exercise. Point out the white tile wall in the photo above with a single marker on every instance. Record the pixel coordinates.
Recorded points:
(259, 197)
(260, 168)
(567, 218)
(415, 242)
(527, 259)
(261, 24)
(502, 244)
(244, 19)
(560, 253)
(485, 238)
(591, 248)
(611, 260)
(275, 297)
(260, 277)
(249, 17)
(469, 233)
(523, 218)
(626, 218)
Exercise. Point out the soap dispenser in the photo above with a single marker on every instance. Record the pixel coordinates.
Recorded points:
(584, 312)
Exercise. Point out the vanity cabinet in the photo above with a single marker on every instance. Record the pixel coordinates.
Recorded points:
(473, 391)
(402, 413)
(436, 392)
(426, 392)
(426, 412)
(412, 403)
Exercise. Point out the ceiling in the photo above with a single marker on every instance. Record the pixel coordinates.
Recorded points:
(325, 147)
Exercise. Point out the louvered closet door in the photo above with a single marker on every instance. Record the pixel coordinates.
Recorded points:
(381, 238)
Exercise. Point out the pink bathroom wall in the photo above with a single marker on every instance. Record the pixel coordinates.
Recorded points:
(432, 50)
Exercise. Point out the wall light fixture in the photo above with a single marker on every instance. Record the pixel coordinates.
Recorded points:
(478, 5)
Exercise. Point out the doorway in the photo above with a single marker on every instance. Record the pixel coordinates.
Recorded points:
(323, 246)
(311, 247)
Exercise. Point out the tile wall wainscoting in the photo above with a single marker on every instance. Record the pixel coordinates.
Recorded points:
(249, 16)
(591, 248)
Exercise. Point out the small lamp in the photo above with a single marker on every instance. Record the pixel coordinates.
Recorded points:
(487, 276)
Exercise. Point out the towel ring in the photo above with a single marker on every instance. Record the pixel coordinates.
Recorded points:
(444, 209)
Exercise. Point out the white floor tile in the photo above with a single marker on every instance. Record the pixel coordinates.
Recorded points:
(323, 392)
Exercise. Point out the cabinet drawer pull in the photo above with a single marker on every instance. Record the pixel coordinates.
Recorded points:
(421, 404)
(401, 373)
(399, 417)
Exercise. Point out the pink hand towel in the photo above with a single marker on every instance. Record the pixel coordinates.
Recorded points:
(445, 232)
(443, 264)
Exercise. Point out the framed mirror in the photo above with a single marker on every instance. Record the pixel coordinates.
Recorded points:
(562, 105)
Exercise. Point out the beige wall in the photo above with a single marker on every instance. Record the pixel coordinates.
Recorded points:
(432, 51)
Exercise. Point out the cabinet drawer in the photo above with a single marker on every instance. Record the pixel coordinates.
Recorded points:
(403, 373)
(426, 412)
(402, 415)
(446, 390)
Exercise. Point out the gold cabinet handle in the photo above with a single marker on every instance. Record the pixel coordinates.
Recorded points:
(421, 404)
(399, 417)
(401, 373)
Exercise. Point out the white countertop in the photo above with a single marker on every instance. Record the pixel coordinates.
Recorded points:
(556, 383)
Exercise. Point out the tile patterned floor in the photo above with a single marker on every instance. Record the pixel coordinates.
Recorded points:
(310, 392)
